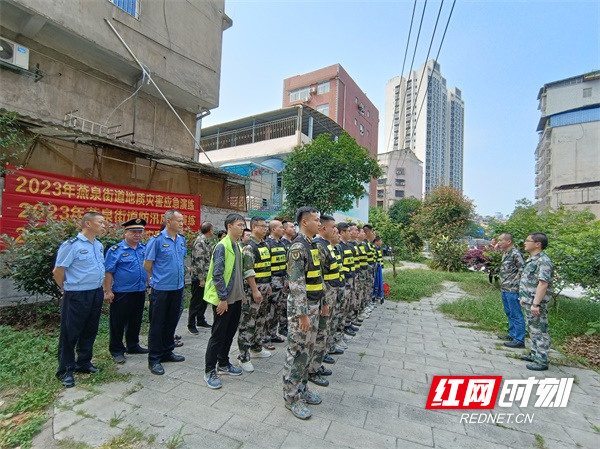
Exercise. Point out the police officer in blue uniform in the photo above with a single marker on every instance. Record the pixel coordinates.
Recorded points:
(125, 289)
(164, 262)
(79, 272)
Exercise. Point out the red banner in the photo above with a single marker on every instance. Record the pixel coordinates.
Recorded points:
(70, 197)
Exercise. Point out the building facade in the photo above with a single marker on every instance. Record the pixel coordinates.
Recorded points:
(333, 92)
(567, 170)
(426, 117)
(402, 177)
(83, 90)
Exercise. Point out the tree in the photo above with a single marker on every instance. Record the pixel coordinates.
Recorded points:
(402, 211)
(13, 141)
(328, 174)
(446, 212)
(391, 236)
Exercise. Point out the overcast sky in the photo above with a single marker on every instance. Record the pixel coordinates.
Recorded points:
(498, 53)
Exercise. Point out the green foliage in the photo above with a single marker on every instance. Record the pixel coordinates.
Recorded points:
(494, 260)
(29, 259)
(447, 254)
(593, 328)
(414, 284)
(13, 141)
(403, 211)
(391, 236)
(445, 212)
(328, 174)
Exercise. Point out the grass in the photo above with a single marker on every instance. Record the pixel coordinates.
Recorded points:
(539, 442)
(176, 440)
(412, 285)
(28, 361)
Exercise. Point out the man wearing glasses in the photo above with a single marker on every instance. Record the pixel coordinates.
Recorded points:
(535, 291)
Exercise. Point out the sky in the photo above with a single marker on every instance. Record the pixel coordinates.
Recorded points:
(498, 53)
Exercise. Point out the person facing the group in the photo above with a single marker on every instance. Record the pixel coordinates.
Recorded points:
(79, 272)
(125, 290)
(201, 252)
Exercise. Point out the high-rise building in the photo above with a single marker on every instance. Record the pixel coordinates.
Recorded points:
(333, 92)
(567, 169)
(424, 116)
(402, 177)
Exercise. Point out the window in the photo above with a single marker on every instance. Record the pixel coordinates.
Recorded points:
(367, 133)
(129, 6)
(399, 193)
(323, 109)
(323, 88)
(368, 113)
(380, 194)
(299, 94)
(587, 92)
(400, 182)
(356, 100)
(381, 181)
(355, 122)
(379, 203)
(400, 171)
(361, 129)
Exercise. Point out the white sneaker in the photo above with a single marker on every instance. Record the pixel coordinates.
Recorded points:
(263, 354)
(246, 366)
(341, 345)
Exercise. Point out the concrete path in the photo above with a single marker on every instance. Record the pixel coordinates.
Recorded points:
(376, 398)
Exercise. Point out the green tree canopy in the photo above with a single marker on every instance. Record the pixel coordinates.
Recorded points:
(402, 211)
(328, 174)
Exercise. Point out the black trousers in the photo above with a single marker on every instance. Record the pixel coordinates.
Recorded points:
(79, 318)
(165, 306)
(223, 330)
(197, 305)
(126, 313)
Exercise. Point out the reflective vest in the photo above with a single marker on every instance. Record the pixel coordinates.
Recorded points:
(338, 255)
(362, 256)
(370, 249)
(262, 262)
(278, 257)
(331, 273)
(347, 253)
(312, 273)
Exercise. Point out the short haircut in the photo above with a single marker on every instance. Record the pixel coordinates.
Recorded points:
(350, 224)
(256, 220)
(377, 239)
(326, 219)
(368, 226)
(342, 227)
(206, 227)
(540, 237)
(508, 236)
(246, 230)
(285, 222)
(272, 224)
(221, 233)
(232, 218)
(170, 214)
(89, 216)
(303, 211)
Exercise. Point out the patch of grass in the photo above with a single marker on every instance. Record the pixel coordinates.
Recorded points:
(596, 428)
(69, 443)
(130, 438)
(361, 355)
(28, 361)
(539, 442)
(176, 440)
(412, 285)
(116, 419)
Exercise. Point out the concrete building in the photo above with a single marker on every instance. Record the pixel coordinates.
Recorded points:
(402, 177)
(567, 170)
(334, 93)
(78, 88)
(256, 147)
(426, 117)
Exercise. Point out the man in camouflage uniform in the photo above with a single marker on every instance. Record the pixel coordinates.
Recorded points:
(306, 293)
(361, 290)
(277, 302)
(535, 292)
(331, 277)
(371, 267)
(510, 275)
(289, 234)
(201, 252)
(335, 344)
(256, 264)
(349, 266)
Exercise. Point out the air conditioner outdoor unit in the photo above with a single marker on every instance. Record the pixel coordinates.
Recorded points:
(14, 53)
(305, 99)
(313, 90)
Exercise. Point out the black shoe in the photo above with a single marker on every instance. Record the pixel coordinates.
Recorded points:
(328, 359)
(284, 331)
(381, 301)
(138, 350)
(89, 370)
(67, 380)
(172, 357)
(354, 328)
(349, 331)
(324, 371)
(277, 339)
(514, 344)
(178, 343)
(193, 330)
(336, 351)
(357, 320)
(119, 359)
(534, 367)
(356, 324)
(527, 357)
(318, 380)
(156, 368)
(177, 337)
(205, 325)
(505, 337)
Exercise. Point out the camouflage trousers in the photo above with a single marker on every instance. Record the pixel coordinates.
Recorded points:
(368, 294)
(349, 296)
(323, 330)
(277, 306)
(298, 355)
(359, 282)
(336, 317)
(538, 331)
(252, 326)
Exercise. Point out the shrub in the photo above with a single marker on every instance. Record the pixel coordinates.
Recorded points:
(447, 254)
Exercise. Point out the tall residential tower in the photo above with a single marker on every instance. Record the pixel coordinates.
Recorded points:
(426, 117)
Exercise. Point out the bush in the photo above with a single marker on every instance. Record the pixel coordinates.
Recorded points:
(447, 254)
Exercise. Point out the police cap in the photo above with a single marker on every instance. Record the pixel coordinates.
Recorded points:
(134, 224)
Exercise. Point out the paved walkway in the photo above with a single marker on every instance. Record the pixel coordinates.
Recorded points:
(376, 398)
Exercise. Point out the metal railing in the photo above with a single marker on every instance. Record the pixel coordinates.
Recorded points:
(88, 126)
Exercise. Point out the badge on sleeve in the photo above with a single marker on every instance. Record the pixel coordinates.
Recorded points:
(295, 254)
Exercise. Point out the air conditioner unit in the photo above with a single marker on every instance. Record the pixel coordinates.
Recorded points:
(14, 53)
(313, 90)
(305, 99)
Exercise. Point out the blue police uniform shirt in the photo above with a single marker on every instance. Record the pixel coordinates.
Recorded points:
(127, 267)
(83, 262)
(168, 271)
